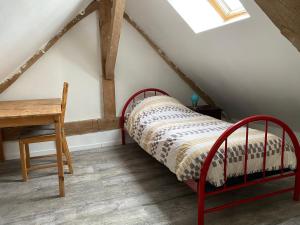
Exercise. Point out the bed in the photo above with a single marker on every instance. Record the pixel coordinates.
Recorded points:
(206, 152)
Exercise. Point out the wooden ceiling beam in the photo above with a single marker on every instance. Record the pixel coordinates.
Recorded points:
(104, 10)
(285, 14)
(108, 86)
(114, 37)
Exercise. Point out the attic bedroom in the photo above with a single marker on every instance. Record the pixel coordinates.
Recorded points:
(138, 112)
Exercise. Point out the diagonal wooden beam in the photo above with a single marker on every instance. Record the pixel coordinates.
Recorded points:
(163, 55)
(108, 86)
(12, 78)
(285, 15)
(114, 34)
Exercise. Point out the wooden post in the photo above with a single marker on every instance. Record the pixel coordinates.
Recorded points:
(109, 102)
(110, 25)
(2, 157)
(114, 37)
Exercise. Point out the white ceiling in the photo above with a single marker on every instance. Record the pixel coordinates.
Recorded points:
(247, 67)
(26, 25)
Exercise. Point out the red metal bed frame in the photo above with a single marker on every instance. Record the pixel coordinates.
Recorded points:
(199, 185)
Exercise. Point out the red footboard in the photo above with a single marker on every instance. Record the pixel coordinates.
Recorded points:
(200, 185)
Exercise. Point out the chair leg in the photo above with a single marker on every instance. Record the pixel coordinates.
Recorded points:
(23, 160)
(67, 154)
(27, 156)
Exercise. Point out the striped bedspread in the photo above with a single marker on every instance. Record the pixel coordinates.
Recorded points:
(181, 139)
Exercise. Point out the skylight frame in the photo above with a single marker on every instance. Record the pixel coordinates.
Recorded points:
(201, 16)
(225, 11)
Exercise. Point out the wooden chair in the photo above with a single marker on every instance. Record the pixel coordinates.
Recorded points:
(36, 134)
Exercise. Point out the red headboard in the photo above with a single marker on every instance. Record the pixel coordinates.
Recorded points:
(144, 93)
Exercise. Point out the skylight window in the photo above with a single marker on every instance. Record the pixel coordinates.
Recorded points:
(202, 15)
(228, 9)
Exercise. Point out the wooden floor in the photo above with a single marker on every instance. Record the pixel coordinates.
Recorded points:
(125, 186)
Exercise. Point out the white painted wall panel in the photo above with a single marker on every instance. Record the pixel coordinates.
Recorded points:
(26, 25)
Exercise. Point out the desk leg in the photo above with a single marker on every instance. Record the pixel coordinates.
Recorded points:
(2, 157)
(60, 167)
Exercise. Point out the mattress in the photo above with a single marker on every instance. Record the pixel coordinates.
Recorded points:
(180, 139)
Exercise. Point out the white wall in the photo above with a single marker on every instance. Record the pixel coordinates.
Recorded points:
(247, 67)
(27, 25)
(76, 59)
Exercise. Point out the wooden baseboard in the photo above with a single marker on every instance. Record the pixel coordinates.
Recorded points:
(72, 128)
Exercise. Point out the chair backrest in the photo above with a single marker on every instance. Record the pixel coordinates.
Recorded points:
(64, 101)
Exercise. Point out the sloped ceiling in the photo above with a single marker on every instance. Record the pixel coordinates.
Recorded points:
(247, 67)
(27, 25)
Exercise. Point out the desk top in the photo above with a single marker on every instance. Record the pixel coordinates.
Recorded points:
(29, 108)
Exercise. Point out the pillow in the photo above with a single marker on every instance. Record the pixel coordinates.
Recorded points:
(135, 103)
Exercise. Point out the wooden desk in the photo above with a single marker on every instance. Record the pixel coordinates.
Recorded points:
(35, 112)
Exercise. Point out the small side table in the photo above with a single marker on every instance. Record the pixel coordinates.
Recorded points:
(208, 110)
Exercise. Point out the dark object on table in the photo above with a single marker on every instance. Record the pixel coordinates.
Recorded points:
(208, 110)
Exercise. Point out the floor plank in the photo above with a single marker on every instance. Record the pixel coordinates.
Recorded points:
(124, 185)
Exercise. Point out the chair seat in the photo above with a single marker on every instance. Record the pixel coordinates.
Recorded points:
(41, 127)
(34, 131)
